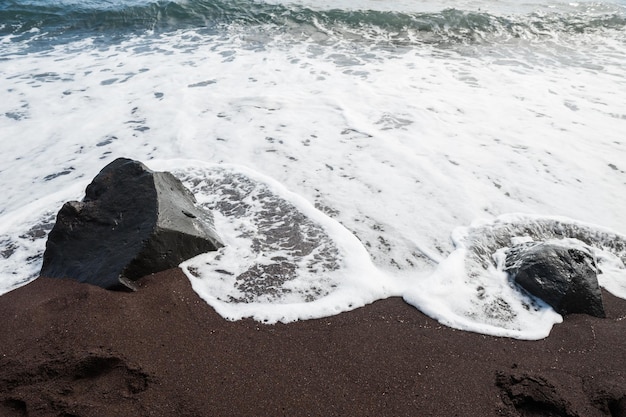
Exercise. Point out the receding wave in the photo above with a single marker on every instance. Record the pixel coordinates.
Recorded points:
(66, 21)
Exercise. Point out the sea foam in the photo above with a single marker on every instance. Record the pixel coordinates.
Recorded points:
(283, 259)
(376, 143)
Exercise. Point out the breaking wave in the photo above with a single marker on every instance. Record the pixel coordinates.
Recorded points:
(66, 21)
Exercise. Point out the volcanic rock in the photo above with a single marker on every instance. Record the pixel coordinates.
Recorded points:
(560, 273)
(131, 223)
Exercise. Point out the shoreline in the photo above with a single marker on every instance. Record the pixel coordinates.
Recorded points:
(161, 351)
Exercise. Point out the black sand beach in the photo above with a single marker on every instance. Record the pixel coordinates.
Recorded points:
(70, 349)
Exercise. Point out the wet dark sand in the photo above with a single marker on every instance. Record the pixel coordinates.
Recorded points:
(69, 349)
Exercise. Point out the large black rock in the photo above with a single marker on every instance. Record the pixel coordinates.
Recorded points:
(562, 275)
(131, 223)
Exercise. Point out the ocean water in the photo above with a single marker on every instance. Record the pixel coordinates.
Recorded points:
(351, 150)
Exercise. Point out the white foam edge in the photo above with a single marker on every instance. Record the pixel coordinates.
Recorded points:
(432, 298)
(361, 284)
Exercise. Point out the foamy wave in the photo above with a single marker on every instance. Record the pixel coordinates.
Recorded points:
(400, 123)
(284, 260)
(470, 290)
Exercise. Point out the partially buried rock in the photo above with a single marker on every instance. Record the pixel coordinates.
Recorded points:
(560, 273)
(131, 223)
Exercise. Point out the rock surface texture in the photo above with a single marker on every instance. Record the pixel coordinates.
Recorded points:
(131, 223)
(561, 274)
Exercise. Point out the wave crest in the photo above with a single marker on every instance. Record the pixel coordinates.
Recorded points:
(66, 21)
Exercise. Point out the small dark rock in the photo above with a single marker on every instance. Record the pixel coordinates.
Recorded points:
(562, 275)
(131, 223)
